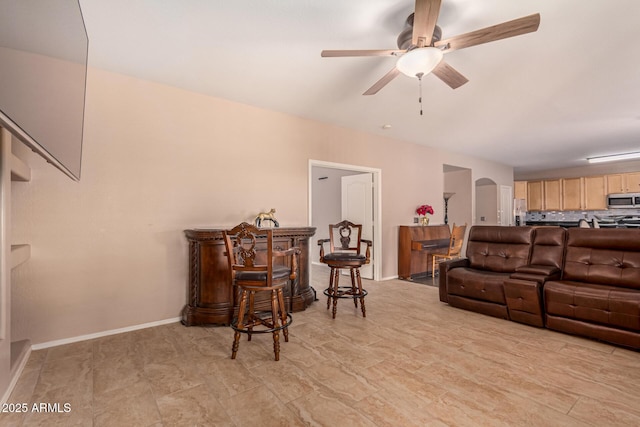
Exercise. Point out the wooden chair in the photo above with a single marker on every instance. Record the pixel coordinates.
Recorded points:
(252, 272)
(345, 244)
(453, 251)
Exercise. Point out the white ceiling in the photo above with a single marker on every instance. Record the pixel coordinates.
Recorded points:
(540, 101)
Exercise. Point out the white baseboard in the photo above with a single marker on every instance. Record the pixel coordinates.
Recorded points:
(16, 370)
(103, 334)
(389, 278)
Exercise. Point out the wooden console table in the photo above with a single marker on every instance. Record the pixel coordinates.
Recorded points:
(211, 298)
(416, 245)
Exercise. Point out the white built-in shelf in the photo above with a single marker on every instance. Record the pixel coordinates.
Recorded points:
(19, 170)
(19, 254)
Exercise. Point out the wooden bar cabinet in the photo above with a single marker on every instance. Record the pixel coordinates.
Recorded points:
(211, 297)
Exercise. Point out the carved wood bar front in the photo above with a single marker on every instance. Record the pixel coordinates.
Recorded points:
(211, 298)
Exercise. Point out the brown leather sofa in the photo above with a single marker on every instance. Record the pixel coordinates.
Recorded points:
(599, 293)
(580, 281)
(477, 282)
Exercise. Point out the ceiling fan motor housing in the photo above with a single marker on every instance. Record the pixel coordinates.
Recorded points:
(404, 39)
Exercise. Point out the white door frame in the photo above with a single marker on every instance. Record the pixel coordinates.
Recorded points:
(359, 185)
(377, 205)
(505, 213)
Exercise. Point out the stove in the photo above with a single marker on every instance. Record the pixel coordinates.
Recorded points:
(618, 221)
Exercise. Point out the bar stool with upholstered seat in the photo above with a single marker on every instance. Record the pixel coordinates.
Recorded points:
(346, 254)
(251, 273)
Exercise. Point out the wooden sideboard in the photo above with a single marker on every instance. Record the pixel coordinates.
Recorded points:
(416, 245)
(211, 297)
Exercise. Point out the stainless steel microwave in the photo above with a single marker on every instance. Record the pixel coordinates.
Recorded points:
(623, 200)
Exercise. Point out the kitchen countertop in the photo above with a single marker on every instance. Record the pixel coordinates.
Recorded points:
(565, 224)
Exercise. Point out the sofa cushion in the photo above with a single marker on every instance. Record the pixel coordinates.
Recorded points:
(499, 249)
(601, 304)
(603, 256)
(479, 285)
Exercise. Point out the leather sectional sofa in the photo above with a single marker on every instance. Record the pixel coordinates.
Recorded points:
(580, 281)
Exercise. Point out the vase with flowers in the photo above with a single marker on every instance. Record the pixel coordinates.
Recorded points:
(423, 211)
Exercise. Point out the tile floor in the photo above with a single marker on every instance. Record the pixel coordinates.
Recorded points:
(413, 361)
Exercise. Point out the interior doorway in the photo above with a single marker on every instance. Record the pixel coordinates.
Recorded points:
(458, 184)
(337, 190)
(487, 202)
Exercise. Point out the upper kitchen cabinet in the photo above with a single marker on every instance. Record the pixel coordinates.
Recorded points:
(633, 182)
(615, 183)
(552, 195)
(623, 183)
(572, 194)
(595, 193)
(544, 195)
(520, 190)
(535, 193)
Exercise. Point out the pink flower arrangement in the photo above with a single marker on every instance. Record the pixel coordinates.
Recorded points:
(424, 209)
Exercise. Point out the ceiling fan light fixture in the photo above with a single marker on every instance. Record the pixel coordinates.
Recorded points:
(419, 61)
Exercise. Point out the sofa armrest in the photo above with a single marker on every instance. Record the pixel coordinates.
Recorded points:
(454, 263)
(536, 273)
(544, 270)
(443, 269)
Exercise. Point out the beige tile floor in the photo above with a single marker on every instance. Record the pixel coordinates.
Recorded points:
(413, 361)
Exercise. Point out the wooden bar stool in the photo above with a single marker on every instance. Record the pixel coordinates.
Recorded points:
(345, 255)
(454, 250)
(252, 273)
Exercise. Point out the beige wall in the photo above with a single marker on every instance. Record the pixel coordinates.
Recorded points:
(109, 252)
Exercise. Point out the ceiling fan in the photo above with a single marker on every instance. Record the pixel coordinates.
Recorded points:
(420, 47)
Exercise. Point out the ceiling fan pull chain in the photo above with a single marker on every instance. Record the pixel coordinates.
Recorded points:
(419, 76)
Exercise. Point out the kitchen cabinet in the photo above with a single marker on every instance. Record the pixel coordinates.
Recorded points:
(572, 194)
(595, 192)
(552, 195)
(535, 192)
(632, 182)
(520, 190)
(615, 183)
(623, 183)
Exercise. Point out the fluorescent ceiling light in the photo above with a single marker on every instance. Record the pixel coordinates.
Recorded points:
(614, 157)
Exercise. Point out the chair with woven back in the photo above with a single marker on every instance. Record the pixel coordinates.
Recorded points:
(454, 250)
(254, 271)
(345, 245)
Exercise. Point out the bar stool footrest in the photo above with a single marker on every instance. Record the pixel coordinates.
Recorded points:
(261, 315)
(345, 292)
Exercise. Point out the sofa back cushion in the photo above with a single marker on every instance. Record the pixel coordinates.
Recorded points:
(603, 256)
(498, 248)
(548, 246)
